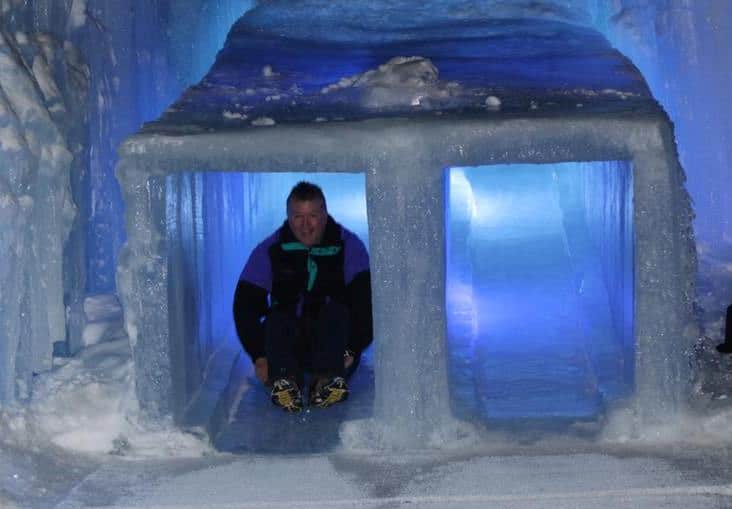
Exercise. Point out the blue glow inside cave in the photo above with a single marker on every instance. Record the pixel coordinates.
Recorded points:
(539, 279)
(540, 290)
(213, 222)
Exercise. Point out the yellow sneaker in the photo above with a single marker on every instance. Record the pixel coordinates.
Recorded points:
(327, 392)
(286, 395)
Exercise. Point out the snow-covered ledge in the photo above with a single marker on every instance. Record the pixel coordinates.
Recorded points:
(404, 161)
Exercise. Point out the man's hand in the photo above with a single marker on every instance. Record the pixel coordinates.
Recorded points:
(261, 370)
(347, 361)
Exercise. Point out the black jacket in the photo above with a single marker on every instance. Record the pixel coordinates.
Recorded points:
(290, 282)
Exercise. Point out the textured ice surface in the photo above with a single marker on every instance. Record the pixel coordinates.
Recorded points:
(87, 404)
(447, 67)
(678, 46)
(540, 291)
(39, 151)
(549, 113)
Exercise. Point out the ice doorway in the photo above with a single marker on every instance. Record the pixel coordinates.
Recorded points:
(213, 221)
(540, 290)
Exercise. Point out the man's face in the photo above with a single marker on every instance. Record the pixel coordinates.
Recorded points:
(307, 220)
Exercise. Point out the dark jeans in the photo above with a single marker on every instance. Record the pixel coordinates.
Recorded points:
(295, 345)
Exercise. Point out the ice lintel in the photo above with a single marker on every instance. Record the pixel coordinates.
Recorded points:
(404, 162)
(354, 145)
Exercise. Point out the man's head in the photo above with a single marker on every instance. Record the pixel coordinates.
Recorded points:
(306, 213)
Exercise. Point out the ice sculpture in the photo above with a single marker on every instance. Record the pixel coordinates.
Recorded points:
(401, 105)
(41, 147)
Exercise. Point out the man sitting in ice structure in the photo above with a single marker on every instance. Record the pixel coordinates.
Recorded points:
(303, 304)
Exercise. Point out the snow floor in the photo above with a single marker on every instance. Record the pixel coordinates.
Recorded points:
(510, 475)
(81, 442)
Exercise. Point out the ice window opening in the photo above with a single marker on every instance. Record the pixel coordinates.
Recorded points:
(540, 290)
(213, 222)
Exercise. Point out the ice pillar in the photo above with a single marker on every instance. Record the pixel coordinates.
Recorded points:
(664, 262)
(142, 283)
(406, 199)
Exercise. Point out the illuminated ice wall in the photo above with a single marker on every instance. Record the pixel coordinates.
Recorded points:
(540, 290)
(141, 54)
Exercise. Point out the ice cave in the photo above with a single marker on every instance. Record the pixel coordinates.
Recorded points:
(522, 197)
(544, 191)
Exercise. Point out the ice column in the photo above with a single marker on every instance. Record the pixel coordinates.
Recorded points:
(36, 210)
(405, 199)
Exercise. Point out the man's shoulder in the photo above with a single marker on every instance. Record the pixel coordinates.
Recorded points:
(269, 241)
(349, 237)
(355, 249)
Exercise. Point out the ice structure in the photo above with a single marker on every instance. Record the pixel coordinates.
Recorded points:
(43, 86)
(401, 105)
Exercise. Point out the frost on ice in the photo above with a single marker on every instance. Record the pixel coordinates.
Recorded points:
(402, 81)
(496, 111)
(40, 151)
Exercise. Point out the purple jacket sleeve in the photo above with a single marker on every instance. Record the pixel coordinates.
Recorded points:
(258, 269)
(250, 299)
(356, 256)
(358, 292)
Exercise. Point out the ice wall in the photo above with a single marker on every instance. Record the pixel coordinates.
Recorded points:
(43, 86)
(681, 46)
(135, 74)
(540, 290)
(69, 58)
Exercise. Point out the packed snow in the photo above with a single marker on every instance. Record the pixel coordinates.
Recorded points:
(402, 81)
(87, 403)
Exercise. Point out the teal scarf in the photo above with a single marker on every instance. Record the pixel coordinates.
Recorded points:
(312, 251)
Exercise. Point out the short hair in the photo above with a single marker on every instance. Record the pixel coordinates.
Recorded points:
(306, 191)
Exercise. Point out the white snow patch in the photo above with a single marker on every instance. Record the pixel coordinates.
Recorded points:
(402, 81)
(493, 103)
(26, 201)
(88, 405)
(77, 16)
(233, 115)
(708, 430)
(263, 121)
(102, 307)
(7, 200)
(267, 72)
(9, 140)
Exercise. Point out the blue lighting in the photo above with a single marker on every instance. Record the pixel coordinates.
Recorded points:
(540, 289)
(214, 221)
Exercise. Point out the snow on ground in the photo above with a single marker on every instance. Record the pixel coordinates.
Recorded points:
(87, 403)
(72, 445)
(525, 479)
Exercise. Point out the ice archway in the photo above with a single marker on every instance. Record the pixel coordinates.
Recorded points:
(401, 109)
